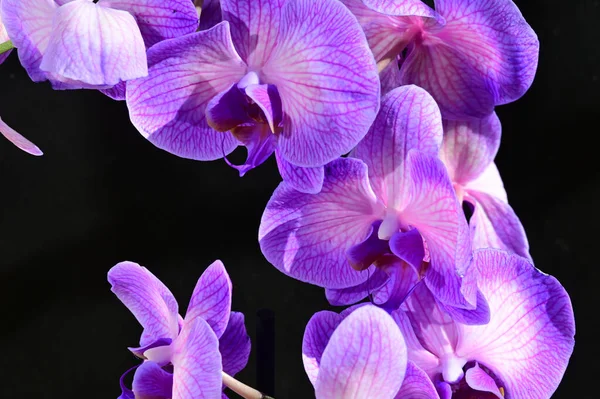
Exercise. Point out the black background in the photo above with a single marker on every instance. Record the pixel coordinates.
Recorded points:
(102, 194)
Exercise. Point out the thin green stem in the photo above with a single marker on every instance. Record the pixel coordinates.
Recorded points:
(6, 46)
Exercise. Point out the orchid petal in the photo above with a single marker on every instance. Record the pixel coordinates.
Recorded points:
(18, 140)
(139, 351)
(421, 356)
(416, 384)
(409, 119)
(489, 182)
(3, 38)
(234, 345)
(254, 28)
(151, 381)
(469, 147)
(479, 315)
(105, 50)
(197, 362)
(403, 8)
(259, 142)
(228, 109)
(327, 80)
(267, 98)
(29, 25)
(159, 20)
(365, 253)
(390, 77)
(126, 393)
(479, 380)
(365, 357)
(306, 235)
(305, 180)
(210, 14)
(168, 106)
(403, 280)
(316, 337)
(433, 209)
(348, 296)
(211, 299)
(494, 224)
(408, 246)
(529, 339)
(117, 92)
(495, 38)
(150, 301)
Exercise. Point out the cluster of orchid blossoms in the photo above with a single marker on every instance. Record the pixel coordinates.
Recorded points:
(380, 114)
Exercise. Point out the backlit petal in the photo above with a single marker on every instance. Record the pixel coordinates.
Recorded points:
(235, 345)
(316, 337)
(151, 381)
(479, 380)
(305, 180)
(416, 384)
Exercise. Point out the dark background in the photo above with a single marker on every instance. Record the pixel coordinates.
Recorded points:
(102, 194)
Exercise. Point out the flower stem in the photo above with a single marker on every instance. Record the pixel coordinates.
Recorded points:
(242, 389)
(6, 46)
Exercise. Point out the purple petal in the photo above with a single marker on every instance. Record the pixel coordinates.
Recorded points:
(365, 357)
(408, 246)
(403, 8)
(235, 345)
(139, 351)
(479, 315)
(185, 73)
(197, 362)
(159, 20)
(259, 143)
(316, 337)
(267, 98)
(210, 14)
(421, 356)
(327, 80)
(228, 109)
(489, 182)
(147, 298)
(485, 55)
(211, 299)
(403, 280)
(494, 224)
(433, 209)
(3, 38)
(306, 236)
(409, 118)
(117, 92)
(126, 393)
(416, 384)
(365, 253)
(151, 381)
(529, 338)
(469, 147)
(254, 28)
(352, 295)
(105, 50)
(18, 140)
(390, 77)
(305, 180)
(479, 380)
(29, 25)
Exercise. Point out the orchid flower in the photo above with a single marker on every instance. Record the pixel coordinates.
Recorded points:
(184, 358)
(391, 213)
(471, 55)
(294, 77)
(84, 44)
(468, 151)
(521, 353)
(359, 353)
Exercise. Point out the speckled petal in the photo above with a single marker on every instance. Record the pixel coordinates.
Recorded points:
(185, 73)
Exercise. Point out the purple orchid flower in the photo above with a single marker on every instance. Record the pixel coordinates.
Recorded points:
(294, 77)
(184, 358)
(390, 212)
(360, 353)
(468, 151)
(471, 55)
(521, 353)
(84, 44)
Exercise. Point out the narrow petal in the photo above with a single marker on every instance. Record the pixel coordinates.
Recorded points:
(254, 28)
(409, 119)
(211, 299)
(479, 380)
(235, 345)
(18, 140)
(408, 246)
(259, 142)
(469, 147)
(151, 381)
(494, 224)
(403, 280)
(305, 180)
(29, 25)
(159, 20)
(416, 384)
(529, 339)
(126, 393)
(147, 298)
(168, 107)
(375, 282)
(197, 362)
(327, 80)
(210, 14)
(316, 337)
(306, 236)
(365, 357)
(105, 50)
(434, 210)
(496, 39)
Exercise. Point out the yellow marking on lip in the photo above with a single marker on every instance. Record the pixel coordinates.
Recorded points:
(501, 391)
